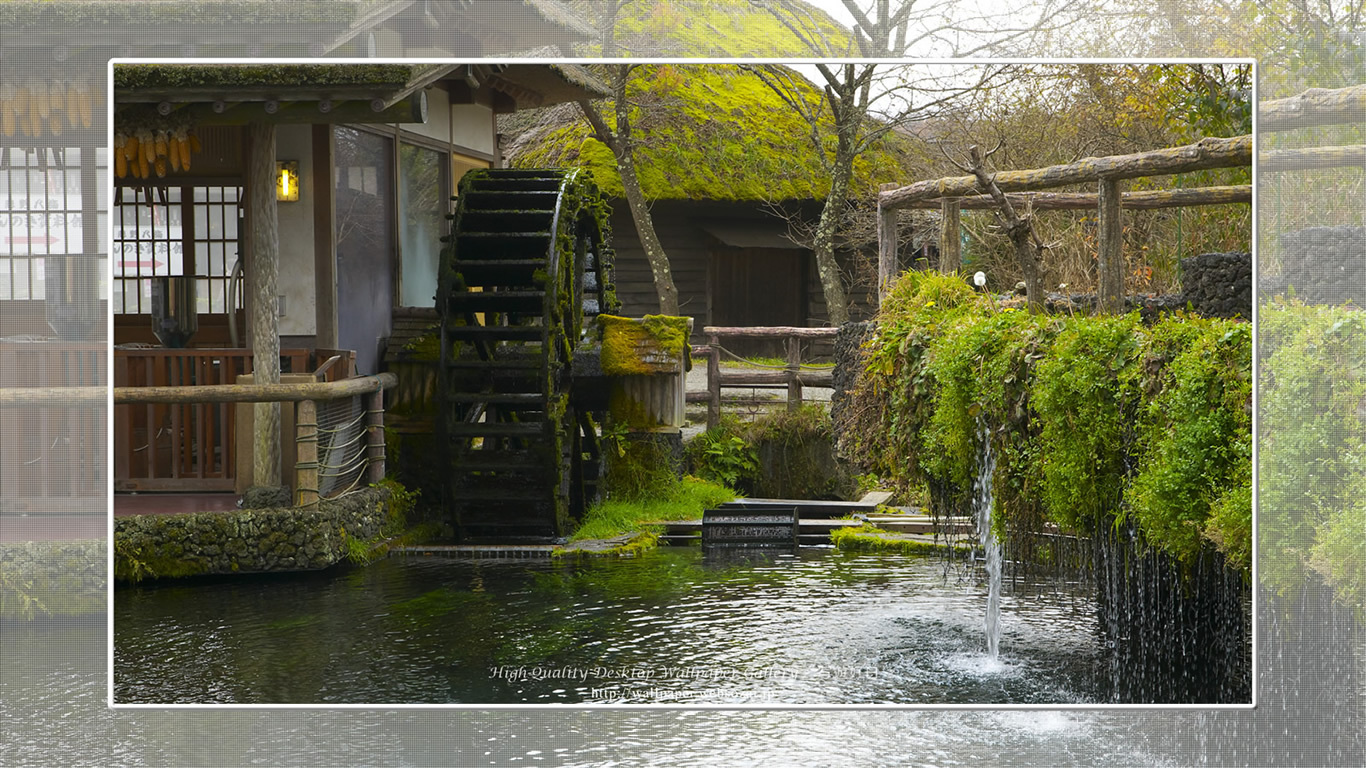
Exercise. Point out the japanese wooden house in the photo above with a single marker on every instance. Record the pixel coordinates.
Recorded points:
(329, 182)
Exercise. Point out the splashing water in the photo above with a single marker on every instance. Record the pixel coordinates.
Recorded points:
(981, 513)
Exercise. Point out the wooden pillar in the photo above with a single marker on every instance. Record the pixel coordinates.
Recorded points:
(714, 383)
(950, 236)
(262, 283)
(306, 480)
(794, 367)
(374, 424)
(324, 237)
(1110, 280)
(886, 247)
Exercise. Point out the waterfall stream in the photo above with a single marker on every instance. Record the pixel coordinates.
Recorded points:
(981, 513)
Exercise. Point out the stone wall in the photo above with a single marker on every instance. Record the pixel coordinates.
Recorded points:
(848, 364)
(1322, 265)
(247, 540)
(1218, 284)
(53, 579)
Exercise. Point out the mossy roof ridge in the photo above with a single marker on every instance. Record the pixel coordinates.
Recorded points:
(47, 14)
(136, 76)
(723, 29)
(704, 132)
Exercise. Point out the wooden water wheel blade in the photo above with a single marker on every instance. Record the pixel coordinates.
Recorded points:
(524, 302)
(519, 184)
(512, 200)
(506, 222)
(496, 332)
(524, 429)
(509, 364)
(503, 461)
(499, 398)
(503, 273)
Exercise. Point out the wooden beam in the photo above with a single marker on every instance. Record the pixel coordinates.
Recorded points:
(770, 332)
(1204, 154)
(262, 280)
(1087, 201)
(1316, 106)
(324, 238)
(950, 236)
(887, 237)
(410, 110)
(253, 393)
(1311, 158)
(1110, 280)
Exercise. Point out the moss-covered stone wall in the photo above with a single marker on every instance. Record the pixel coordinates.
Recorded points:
(52, 579)
(245, 541)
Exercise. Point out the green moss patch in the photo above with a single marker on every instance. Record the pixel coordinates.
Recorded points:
(686, 499)
(1095, 422)
(159, 76)
(868, 538)
(705, 132)
(653, 344)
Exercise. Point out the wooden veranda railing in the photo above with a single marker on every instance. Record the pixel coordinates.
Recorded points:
(365, 458)
(191, 445)
(792, 377)
(52, 460)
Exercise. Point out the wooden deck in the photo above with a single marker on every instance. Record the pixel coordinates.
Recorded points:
(129, 504)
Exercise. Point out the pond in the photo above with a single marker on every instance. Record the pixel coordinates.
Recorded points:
(675, 626)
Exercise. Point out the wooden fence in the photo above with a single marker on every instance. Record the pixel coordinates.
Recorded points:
(307, 396)
(52, 459)
(791, 378)
(190, 446)
(952, 194)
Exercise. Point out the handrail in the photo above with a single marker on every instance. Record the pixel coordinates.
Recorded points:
(256, 393)
(52, 397)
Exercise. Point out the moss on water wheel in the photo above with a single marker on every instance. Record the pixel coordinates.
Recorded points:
(526, 265)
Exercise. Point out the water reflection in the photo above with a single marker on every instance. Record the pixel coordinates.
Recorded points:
(819, 627)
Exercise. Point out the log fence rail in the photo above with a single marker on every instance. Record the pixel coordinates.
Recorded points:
(792, 377)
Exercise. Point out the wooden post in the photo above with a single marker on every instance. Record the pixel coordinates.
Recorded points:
(794, 367)
(306, 478)
(714, 382)
(887, 236)
(1110, 267)
(374, 423)
(262, 283)
(324, 240)
(950, 236)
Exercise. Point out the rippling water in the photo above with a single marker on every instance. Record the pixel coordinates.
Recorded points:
(674, 627)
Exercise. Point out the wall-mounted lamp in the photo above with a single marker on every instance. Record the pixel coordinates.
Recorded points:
(287, 180)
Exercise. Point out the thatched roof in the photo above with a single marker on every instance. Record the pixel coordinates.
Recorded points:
(704, 132)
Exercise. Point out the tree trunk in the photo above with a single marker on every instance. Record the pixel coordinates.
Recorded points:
(832, 215)
(262, 280)
(1020, 232)
(649, 241)
(620, 144)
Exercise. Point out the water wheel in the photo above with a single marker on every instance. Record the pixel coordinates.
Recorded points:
(525, 270)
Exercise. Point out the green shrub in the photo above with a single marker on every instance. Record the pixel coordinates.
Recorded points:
(1095, 421)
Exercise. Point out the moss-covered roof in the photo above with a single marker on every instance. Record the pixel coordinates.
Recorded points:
(703, 132)
(722, 29)
(51, 14)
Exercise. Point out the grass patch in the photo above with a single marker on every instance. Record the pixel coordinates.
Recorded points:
(684, 501)
(868, 538)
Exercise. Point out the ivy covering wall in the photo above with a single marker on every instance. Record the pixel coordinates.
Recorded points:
(1095, 421)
